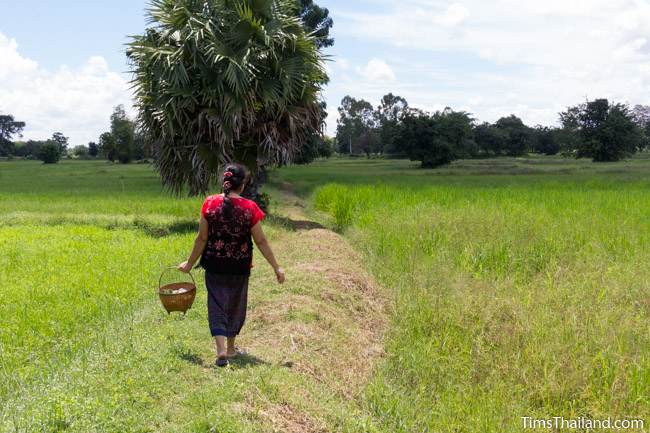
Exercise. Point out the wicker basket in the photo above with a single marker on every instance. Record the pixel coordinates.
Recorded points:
(177, 296)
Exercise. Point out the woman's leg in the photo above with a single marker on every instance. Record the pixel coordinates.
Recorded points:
(218, 300)
(231, 349)
(237, 311)
(220, 343)
(237, 306)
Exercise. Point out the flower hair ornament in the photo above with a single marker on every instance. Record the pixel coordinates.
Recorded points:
(227, 174)
(227, 184)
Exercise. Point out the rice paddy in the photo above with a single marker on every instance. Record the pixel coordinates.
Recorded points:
(85, 345)
(521, 287)
(516, 287)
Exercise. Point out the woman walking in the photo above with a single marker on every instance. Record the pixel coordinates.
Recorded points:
(229, 224)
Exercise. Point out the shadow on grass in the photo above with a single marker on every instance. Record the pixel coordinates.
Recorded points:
(192, 358)
(186, 354)
(294, 225)
(247, 360)
(191, 226)
(153, 226)
(160, 231)
(149, 226)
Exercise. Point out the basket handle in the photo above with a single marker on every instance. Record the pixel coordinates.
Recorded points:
(169, 269)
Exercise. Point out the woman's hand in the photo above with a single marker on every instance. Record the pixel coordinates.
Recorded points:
(279, 274)
(185, 267)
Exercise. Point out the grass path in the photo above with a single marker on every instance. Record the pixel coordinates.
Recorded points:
(312, 344)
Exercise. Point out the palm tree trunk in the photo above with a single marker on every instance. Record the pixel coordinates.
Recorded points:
(252, 192)
(257, 164)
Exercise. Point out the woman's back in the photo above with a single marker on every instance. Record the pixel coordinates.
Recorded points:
(229, 249)
(229, 224)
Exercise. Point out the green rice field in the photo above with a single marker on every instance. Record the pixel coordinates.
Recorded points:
(85, 345)
(517, 287)
(522, 286)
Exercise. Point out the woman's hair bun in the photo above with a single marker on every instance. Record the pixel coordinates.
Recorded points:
(234, 176)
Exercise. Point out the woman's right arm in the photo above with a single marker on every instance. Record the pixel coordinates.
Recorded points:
(265, 248)
(199, 246)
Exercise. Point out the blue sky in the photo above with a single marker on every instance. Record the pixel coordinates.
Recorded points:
(62, 64)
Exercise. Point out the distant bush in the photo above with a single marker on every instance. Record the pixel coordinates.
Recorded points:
(315, 147)
(603, 131)
(123, 143)
(545, 140)
(50, 153)
(81, 152)
(29, 149)
(436, 139)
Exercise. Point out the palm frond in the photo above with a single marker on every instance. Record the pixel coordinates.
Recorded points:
(218, 80)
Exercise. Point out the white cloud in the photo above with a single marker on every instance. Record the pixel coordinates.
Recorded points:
(377, 70)
(528, 57)
(13, 64)
(454, 15)
(342, 63)
(75, 101)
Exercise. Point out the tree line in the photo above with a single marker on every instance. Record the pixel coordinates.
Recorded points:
(123, 143)
(598, 129)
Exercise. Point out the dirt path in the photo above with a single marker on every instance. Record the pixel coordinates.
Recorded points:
(312, 345)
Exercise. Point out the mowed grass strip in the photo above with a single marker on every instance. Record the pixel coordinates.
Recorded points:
(516, 294)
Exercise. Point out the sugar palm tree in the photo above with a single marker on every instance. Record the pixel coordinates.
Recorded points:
(223, 80)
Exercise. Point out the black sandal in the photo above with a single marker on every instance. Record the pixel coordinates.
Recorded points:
(222, 361)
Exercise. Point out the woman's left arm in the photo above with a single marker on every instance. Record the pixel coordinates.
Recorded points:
(199, 246)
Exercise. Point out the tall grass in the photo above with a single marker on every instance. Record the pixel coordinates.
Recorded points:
(512, 297)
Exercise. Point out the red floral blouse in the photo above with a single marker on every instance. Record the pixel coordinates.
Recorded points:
(229, 249)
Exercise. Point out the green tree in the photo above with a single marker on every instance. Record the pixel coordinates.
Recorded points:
(219, 81)
(29, 149)
(436, 139)
(316, 146)
(120, 143)
(518, 135)
(81, 151)
(61, 140)
(19, 148)
(107, 146)
(310, 147)
(641, 116)
(369, 142)
(490, 140)
(123, 132)
(326, 147)
(456, 128)
(50, 152)
(8, 128)
(418, 133)
(356, 117)
(545, 140)
(603, 131)
(93, 149)
(389, 114)
(139, 145)
(317, 22)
